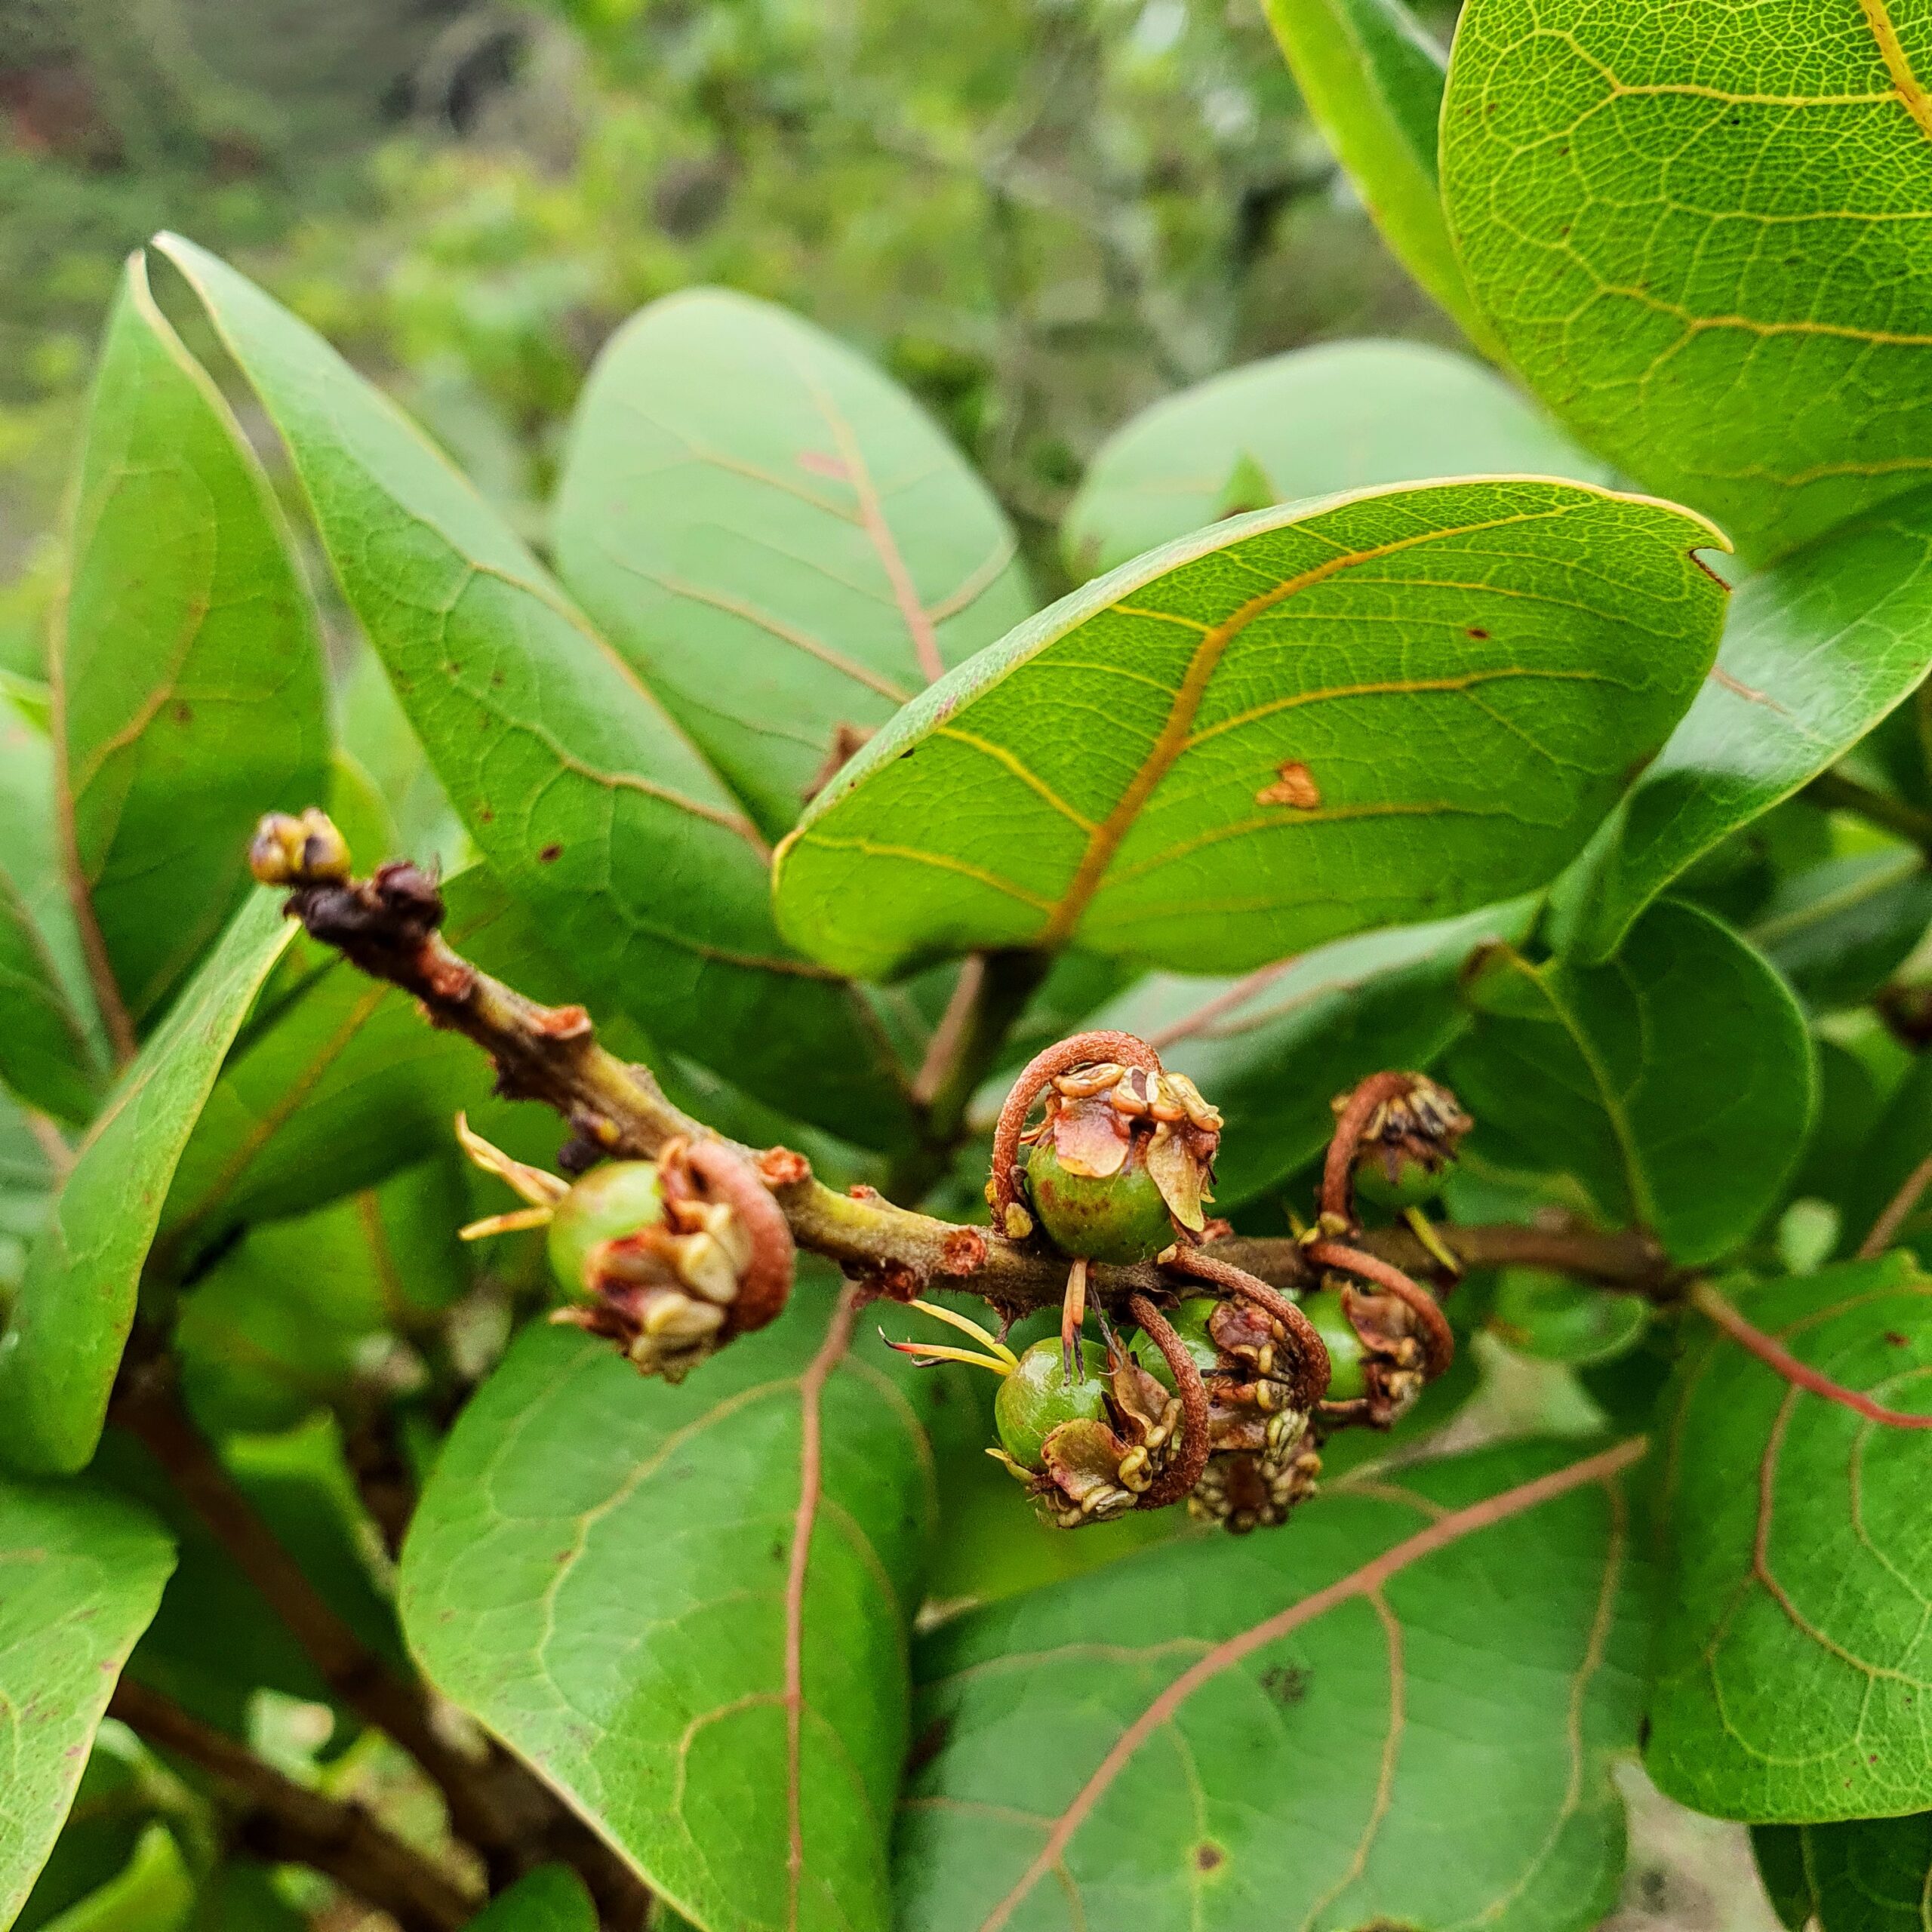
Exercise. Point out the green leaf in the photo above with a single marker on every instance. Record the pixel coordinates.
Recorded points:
(187, 667)
(1437, 690)
(777, 536)
(1340, 416)
(552, 1899)
(1819, 649)
(80, 1575)
(1837, 930)
(1289, 1730)
(1792, 1665)
(1675, 1083)
(584, 795)
(155, 1894)
(76, 1303)
(1901, 1139)
(1272, 1049)
(1699, 236)
(288, 1318)
(688, 1607)
(52, 1053)
(1555, 1319)
(1872, 1875)
(1372, 79)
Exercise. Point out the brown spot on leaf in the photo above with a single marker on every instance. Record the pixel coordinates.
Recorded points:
(1287, 1683)
(928, 1745)
(846, 739)
(550, 855)
(183, 713)
(1893, 1336)
(1208, 1856)
(1476, 631)
(1294, 786)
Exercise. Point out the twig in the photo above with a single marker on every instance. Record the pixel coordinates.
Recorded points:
(1898, 1211)
(1836, 792)
(387, 927)
(1708, 1301)
(286, 1822)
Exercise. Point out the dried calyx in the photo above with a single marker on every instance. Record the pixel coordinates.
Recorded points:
(670, 1259)
(1406, 1129)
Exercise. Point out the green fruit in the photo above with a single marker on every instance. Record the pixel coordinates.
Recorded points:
(1189, 1321)
(1115, 1217)
(1348, 1379)
(1416, 1184)
(1036, 1398)
(614, 1200)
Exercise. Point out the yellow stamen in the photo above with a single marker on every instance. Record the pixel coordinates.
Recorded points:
(967, 1326)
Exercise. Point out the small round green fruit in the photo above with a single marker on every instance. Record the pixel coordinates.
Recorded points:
(1189, 1321)
(1415, 1186)
(1118, 1217)
(1348, 1377)
(619, 1198)
(1036, 1398)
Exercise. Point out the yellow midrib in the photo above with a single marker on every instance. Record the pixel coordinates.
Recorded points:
(1898, 65)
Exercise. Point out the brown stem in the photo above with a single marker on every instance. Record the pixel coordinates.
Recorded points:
(287, 1823)
(1898, 1211)
(386, 927)
(1082, 1049)
(1708, 1301)
(1837, 792)
(1180, 1475)
(1338, 1168)
(1439, 1339)
(1313, 1366)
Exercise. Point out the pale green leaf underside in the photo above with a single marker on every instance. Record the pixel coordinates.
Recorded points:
(1820, 647)
(52, 1053)
(1873, 1876)
(188, 665)
(587, 798)
(603, 1572)
(1794, 1679)
(1270, 1049)
(76, 1303)
(1340, 416)
(1457, 677)
(1400, 1711)
(1675, 1082)
(1374, 79)
(81, 1574)
(1700, 232)
(777, 536)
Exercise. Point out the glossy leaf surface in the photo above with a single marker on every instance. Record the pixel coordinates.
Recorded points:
(1874, 1875)
(1675, 1083)
(777, 536)
(1793, 1661)
(1377, 709)
(80, 1575)
(1270, 1050)
(1818, 649)
(187, 667)
(76, 1301)
(1286, 1730)
(1373, 78)
(688, 1606)
(52, 1053)
(1699, 233)
(590, 802)
(1338, 415)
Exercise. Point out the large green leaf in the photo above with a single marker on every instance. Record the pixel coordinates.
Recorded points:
(1873, 1876)
(1381, 708)
(1699, 233)
(52, 1053)
(552, 1899)
(1794, 1663)
(1373, 78)
(76, 1301)
(1820, 647)
(1675, 1082)
(777, 536)
(1270, 1050)
(688, 1606)
(1400, 1711)
(80, 1575)
(585, 795)
(187, 667)
(1340, 416)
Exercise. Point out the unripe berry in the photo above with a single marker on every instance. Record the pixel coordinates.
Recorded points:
(1415, 1184)
(1189, 1321)
(619, 1198)
(1035, 1398)
(1116, 1217)
(1348, 1378)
